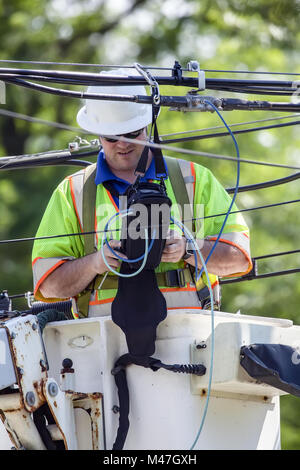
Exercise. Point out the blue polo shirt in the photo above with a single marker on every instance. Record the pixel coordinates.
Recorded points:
(104, 174)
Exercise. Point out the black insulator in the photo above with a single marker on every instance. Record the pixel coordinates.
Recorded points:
(65, 307)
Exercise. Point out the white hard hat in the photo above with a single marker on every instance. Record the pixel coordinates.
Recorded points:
(103, 117)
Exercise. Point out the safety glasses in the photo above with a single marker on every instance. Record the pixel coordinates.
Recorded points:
(130, 135)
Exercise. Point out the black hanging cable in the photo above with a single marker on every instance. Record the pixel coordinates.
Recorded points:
(165, 100)
(266, 184)
(273, 255)
(17, 240)
(225, 134)
(90, 77)
(9, 162)
(227, 281)
(149, 67)
(259, 276)
(266, 206)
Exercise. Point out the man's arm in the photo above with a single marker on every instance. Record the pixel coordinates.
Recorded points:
(224, 261)
(73, 276)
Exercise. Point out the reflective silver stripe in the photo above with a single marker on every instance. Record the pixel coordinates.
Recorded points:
(174, 299)
(77, 186)
(43, 265)
(236, 238)
(189, 180)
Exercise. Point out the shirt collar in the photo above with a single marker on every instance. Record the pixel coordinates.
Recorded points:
(104, 173)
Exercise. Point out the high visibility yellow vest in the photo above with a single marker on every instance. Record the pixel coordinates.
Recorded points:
(64, 215)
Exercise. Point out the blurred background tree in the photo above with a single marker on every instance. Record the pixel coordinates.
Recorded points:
(250, 35)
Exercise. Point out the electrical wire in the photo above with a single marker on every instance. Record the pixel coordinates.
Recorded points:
(221, 281)
(24, 117)
(80, 64)
(9, 161)
(81, 78)
(277, 118)
(225, 134)
(236, 186)
(272, 255)
(266, 184)
(19, 240)
(58, 125)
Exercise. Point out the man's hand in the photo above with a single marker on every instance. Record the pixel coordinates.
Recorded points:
(73, 276)
(174, 248)
(99, 265)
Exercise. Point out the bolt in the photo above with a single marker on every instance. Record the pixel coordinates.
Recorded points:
(67, 363)
(52, 389)
(30, 398)
(202, 345)
(115, 409)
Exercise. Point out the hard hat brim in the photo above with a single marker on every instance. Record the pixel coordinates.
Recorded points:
(103, 128)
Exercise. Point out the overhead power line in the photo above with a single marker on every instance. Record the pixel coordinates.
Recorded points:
(27, 239)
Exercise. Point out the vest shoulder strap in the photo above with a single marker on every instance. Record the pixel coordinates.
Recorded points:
(182, 181)
(89, 207)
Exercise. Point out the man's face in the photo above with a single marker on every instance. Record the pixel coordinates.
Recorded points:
(123, 156)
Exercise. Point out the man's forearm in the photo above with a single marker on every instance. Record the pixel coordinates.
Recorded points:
(225, 259)
(69, 278)
(73, 276)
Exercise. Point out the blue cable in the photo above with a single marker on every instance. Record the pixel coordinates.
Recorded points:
(136, 272)
(144, 256)
(106, 228)
(236, 186)
(190, 237)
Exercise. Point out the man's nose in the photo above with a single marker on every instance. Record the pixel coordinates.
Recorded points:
(122, 145)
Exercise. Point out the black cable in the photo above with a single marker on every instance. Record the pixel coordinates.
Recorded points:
(79, 64)
(282, 253)
(259, 276)
(106, 79)
(239, 86)
(272, 91)
(66, 304)
(175, 101)
(225, 133)
(16, 240)
(265, 184)
(245, 210)
(62, 157)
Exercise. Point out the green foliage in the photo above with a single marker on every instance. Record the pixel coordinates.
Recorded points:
(223, 34)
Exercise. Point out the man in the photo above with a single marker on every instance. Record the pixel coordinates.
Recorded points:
(63, 270)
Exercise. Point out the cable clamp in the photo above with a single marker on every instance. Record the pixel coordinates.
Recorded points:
(30, 298)
(198, 103)
(193, 66)
(81, 144)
